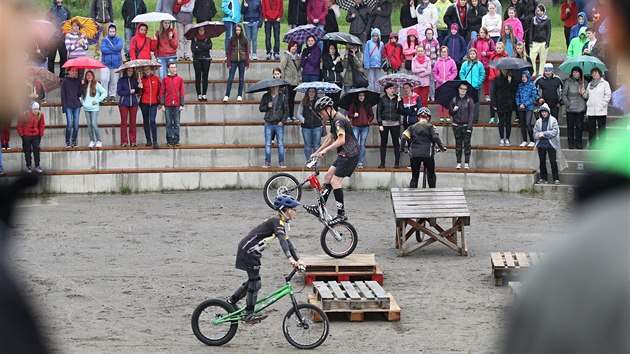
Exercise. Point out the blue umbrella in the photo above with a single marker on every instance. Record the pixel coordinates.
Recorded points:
(321, 87)
(301, 33)
(620, 99)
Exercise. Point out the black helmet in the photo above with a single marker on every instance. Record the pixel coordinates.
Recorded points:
(323, 103)
(285, 201)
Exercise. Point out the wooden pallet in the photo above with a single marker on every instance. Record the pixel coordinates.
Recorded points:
(355, 267)
(354, 300)
(512, 265)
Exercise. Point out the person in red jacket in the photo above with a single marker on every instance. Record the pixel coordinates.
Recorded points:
(485, 47)
(272, 11)
(361, 115)
(166, 42)
(140, 44)
(172, 101)
(569, 16)
(499, 52)
(31, 129)
(149, 89)
(394, 52)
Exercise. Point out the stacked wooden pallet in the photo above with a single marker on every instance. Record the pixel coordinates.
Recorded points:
(355, 267)
(512, 265)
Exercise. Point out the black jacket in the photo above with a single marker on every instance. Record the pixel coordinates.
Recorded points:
(549, 89)
(57, 15)
(331, 22)
(473, 17)
(405, 17)
(297, 13)
(204, 10)
(382, 19)
(541, 32)
(331, 72)
(102, 11)
(131, 9)
(465, 112)
(422, 138)
(452, 16)
(201, 48)
(504, 94)
(388, 109)
(360, 24)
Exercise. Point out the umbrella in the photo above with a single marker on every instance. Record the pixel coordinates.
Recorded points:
(342, 38)
(43, 29)
(321, 87)
(87, 26)
(371, 97)
(620, 99)
(300, 33)
(49, 80)
(348, 4)
(266, 84)
(83, 63)
(139, 63)
(153, 17)
(509, 64)
(445, 93)
(584, 62)
(399, 80)
(213, 29)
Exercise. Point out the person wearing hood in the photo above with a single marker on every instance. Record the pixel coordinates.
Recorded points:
(597, 96)
(456, 45)
(102, 11)
(581, 23)
(238, 58)
(539, 37)
(373, 59)
(456, 14)
(444, 70)
(131, 9)
(57, 14)
(442, 27)
(393, 51)
(232, 11)
(381, 18)
(577, 44)
(201, 45)
(359, 18)
(547, 135)
(426, 15)
(525, 99)
(140, 44)
(568, 15)
(575, 105)
(549, 88)
(290, 66)
(127, 89)
(409, 47)
(111, 47)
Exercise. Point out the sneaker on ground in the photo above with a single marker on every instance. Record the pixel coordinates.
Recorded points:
(225, 98)
(276, 56)
(91, 144)
(75, 145)
(556, 182)
(442, 120)
(282, 165)
(466, 167)
(253, 56)
(531, 144)
(381, 166)
(459, 166)
(98, 144)
(39, 170)
(523, 144)
(268, 56)
(267, 165)
(502, 142)
(177, 144)
(156, 146)
(487, 98)
(67, 146)
(337, 219)
(28, 169)
(199, 98)
(239, 98)
(448, 119)
(395, 166)
(253, 318)
(542, 181)
(312, 209)
(147, 144)
(360, 165)
(204, 98)
(492, 120)
(507, 142)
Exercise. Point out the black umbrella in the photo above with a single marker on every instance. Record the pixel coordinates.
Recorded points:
(371, 98)
(264, 85)
(342, 38)
(509, 64)
(445, 93)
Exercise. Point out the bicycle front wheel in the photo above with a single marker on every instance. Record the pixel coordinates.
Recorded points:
(342, 246)
(308, 333)
(213, 334)
(281, 184)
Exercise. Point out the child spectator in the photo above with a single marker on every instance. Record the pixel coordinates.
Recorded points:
(311, 56)
(388, 119)
(484, 48)
(30, 127)
(238, 58)
(539, 36)
(172, 95)
(353, 59)
(421, 67)
(361, 116)
(252, 20)
(372, 58)
(575, 105)
(547, 135)
(521, 53)
(131, 9)
(149, 90)
(57, 15)
(581, 23)
(311, 123)
(509, 40)
(577, 44)
(594, 47)
(549, 88)
(166, 46)
(111, 47)
(444, 70)
(475, 15)
(71, 105)
(393, 52)
(503, 103)
(472, 71)
(290, 65)
(127, 89)
(456, 45)
(499, 53)
(183, 13)
(232, 11)
(456, 14)
(274, 105)
(201, 46)
(432, 50)
(93, 95)
(516, 24)
(492, 22)
(422, 138)
(410, 104)
(140, 44)
(76, 42)
(409, 47)
(462, 109)
(525, 99)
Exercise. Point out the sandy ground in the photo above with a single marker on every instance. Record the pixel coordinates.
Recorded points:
(123, 273)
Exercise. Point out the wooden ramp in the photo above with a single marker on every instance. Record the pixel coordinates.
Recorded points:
(512, 265)
(355, 267)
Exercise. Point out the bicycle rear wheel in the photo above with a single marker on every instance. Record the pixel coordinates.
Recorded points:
(279, 184)
(342, 247)
(309, 333)
(207, 332)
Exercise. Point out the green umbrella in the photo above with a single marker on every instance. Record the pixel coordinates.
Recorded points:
(584, 62)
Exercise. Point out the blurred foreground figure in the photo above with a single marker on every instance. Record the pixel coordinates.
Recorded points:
(19, 332)
(578, 300)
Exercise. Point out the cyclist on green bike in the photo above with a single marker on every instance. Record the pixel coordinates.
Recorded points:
(342, 138)
(250, 250)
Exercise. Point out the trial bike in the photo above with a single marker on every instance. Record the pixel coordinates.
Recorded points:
(338, 239)
(305, 326)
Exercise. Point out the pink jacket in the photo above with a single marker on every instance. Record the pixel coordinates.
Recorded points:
(482, 45)
(409, 51)
(422, 70)
(517, 27)
(444, 70)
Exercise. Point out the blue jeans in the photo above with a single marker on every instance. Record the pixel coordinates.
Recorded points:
(251, 31)
(320, 43)
(92, 122)
(172, 124)
(229, 31)
(275, 25)
(240, 65)
(129, 33)
(278, 131)
(312, 140)
(309, 78)
(149, 112)
(72, 124)
(361, 133)
(164, 61)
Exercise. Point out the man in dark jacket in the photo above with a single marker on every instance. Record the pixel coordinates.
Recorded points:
(297, 13)
(388, 119)
(462, 109)
(456, 14)
(359, 19)
(204, 10)
(131, 9)
(274, 105)
(422, 138)
(381, 18)
(57, 14)
(549, 87)
(102, 11)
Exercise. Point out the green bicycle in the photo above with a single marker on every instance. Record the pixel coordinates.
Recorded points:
(305, 326)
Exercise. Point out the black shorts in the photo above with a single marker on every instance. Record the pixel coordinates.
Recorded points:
(345, 165)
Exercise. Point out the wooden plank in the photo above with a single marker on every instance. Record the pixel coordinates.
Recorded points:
(497, 260)
(521, 258)
(367, 293)
(441, 205)
(509, 259)
(377, 290)
(350, 290)
(353, 259)
(322, 290)
(434, 190)
(339, 294)
(447, 209)
(426, 215)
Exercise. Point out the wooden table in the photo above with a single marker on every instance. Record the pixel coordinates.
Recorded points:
(418, 210)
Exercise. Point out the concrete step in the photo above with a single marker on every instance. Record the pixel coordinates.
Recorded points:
(563, 191)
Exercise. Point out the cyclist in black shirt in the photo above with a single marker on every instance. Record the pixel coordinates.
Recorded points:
(250, 251)
(342, 138)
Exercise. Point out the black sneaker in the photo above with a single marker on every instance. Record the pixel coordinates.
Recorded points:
(312, 209)
(147, 144)
(156, 146)
(253, 318)
(337, 219)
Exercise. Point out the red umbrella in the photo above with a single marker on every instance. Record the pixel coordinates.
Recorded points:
(83, 63)
(213, 29)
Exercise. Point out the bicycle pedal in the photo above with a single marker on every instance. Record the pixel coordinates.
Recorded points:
(255, 320)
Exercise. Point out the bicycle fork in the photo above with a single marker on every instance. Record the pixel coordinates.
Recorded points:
(303, 323)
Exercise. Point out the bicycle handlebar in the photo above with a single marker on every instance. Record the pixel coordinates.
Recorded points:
(300, 269)
(312, 162)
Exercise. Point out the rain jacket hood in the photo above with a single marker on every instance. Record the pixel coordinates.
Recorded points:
(377, 32)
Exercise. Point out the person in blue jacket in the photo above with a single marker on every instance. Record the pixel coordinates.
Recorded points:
(232, 11)
(252, 21)
(456, 45)
(582, 22)
(525, 99)
(128, 106)
(372, 59)
(111, 47)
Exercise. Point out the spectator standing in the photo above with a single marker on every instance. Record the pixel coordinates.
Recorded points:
(359, 19)
(581, 23)
(352, 59)
(421, 68)
(252, 20)
(102, 11)
(526, 12)
(361, 116)
(172, 95)
(201, 45)
(316, 11)
(597, 95)
(547, 135)
(111, 47)
(509, 40)
(422, 138)
(381, 18)
(575, 104)
(238, 58)
(594, 47)
(472, 70)
(549, 88)
(539, 36)
(34, 88)
(166, 6)
(577, 44)
(183, 12)
(442, 28)
(127, 89)
(484, 46)
(568, 15)
(71, 105)
(232, 16)
(297, 13)
(456, 14)
(521, 53)
(311, 124)
(505, 91)
(140, 44)
(131, 9)
(426, 15)
(497, 4)
(30, 127)
(516, 24)
(166, 46)
(332, 69)
(204, 10)
(409, 47)
(372, 59)
(432, 50)
(491, 74)
(409, 106)
(462, 109)
(456, 45)
(331, 17)
(388, 119)
(272, 11)
(492, 22)
(58, 14)
(408, 14)
(525, 100)
(311, 56)
(290, 66)
(274, 105)
(76, 43)
(93, 94)
(444, 70)
(393, 52)
(149, 90)
(475, 16)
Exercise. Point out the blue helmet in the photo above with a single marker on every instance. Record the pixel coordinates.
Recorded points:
(285, 201)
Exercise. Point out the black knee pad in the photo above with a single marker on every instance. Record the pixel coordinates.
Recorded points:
(254, 285)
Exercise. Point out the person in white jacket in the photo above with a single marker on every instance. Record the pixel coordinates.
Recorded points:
(492, 22)
(597, 96)
(427, 16)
